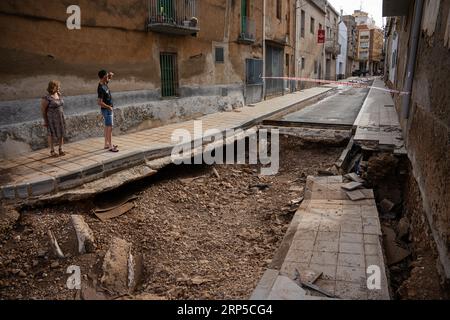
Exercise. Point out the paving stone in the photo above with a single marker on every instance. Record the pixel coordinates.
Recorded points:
(8, 192)
(351, 186)
(372, 230)
(351, 217)
(286, 289)
(23, 191)
(329, 271)
(92, 169)
(354, 248)
(371, 249)
(330, 227)
(369, 211)
(352, 227)
(374, 260)
(328, 236)
(371, 221)
(379, 294)
(42, 187)
(351, 274)
(351, 291)
(303, 245)
(351, 237)
(327, 285)
(351, 260)
(305, 234)
(326, 258)
(123, 162)
(289, 268)
(70, 180)
(326, 246)
(266, 283)
(371, 239)
(298, 256)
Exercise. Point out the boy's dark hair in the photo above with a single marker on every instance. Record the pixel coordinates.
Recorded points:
(102, 74)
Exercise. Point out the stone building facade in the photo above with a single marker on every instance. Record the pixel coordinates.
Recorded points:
(425, 112)
(172, 59)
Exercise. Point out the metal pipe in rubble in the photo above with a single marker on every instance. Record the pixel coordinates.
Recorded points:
(414, 40)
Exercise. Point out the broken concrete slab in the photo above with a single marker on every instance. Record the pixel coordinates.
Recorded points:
(85, 236)
(403, 228)
(310, 276)
(330, 237)
(394, 253)
(354, 177)
(286, 289)
(266, 283)
(121, 269)
(54, 246)
(356, 195)
(386, 205)
(351, 186)
(115, 266)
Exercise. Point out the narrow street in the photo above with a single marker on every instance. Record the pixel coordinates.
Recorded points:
(339, 109)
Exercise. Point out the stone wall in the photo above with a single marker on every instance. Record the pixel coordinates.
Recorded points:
(21, 128)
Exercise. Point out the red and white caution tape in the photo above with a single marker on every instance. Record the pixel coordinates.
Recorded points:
(341, 83)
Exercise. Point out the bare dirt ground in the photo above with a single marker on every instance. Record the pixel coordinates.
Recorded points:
(202, 238)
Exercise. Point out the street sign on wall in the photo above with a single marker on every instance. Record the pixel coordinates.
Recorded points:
(321, 36)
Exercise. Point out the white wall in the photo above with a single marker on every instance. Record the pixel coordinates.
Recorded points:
(341, 60)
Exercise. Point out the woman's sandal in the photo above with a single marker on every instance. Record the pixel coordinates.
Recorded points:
(53, 154)
(61, 153)
(114, 149)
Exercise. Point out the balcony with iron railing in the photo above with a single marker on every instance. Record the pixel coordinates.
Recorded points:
(332, 46)
(248, 31)
(173, 16)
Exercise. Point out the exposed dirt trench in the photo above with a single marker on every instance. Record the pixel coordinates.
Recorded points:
(202, 238)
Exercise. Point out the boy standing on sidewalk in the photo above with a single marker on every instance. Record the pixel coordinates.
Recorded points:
(106, 104)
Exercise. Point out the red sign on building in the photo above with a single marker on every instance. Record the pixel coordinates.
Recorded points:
(321, 36)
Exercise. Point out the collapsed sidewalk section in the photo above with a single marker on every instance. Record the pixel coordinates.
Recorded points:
(88, 169)
(332, 249)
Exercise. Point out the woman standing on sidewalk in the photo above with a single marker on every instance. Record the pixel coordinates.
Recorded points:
(53, 114)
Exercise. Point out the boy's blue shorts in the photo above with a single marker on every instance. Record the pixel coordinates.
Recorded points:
(108, 116)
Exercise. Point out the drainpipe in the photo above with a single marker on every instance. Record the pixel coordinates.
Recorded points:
(264, 48)
(414, 40)
(324, 59)
(295, 46)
